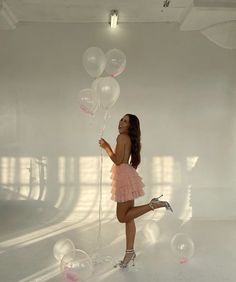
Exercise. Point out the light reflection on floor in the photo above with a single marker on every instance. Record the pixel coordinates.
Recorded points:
(71, 194)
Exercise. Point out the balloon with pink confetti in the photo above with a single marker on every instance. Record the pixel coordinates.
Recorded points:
(182, 246)
(88, 101)
(115, 62)
(76, 266)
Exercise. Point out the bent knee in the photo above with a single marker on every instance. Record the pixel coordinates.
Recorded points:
(121, 219)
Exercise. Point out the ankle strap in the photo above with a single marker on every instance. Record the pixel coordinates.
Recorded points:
(151, 206)
(130, 251)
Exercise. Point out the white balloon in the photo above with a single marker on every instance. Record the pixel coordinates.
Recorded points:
(62, 247)
(115, 62)
(182, 246)
(94, 61)
(108, 90)
(77, 266)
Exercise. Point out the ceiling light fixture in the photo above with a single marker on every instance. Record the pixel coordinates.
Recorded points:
(113, 18)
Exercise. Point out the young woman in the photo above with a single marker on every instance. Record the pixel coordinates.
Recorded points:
(126, 183)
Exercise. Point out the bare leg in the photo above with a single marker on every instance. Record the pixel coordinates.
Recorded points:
(127, 212)
(130, 230)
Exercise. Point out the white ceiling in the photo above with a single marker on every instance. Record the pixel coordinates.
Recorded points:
(190, 14)
(83, 11)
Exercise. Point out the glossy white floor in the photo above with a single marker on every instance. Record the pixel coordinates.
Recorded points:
(27, 246)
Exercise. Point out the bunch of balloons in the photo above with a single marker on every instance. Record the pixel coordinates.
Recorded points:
(75, 264)
(104, 91)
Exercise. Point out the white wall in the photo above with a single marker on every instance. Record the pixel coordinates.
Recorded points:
(179, 84)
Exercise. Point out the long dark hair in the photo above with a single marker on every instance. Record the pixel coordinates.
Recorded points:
(135, 137)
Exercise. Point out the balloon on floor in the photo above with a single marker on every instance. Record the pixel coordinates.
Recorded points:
(76, 266)
(182, 246)
(62, 247)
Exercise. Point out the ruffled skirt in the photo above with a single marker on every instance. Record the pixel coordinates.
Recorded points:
(126, 183)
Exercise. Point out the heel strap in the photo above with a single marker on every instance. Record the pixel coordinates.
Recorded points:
(154, 200)
(151, 206)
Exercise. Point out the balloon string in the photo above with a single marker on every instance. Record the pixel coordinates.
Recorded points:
(100, 185)
(100, 202)
(104, 123)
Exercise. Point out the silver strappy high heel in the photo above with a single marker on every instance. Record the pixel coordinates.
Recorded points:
(156, 201)
(129, 256)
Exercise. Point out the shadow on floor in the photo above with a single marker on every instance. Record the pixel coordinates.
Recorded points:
(21, 216)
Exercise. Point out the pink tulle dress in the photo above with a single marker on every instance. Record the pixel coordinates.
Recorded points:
(126, 183)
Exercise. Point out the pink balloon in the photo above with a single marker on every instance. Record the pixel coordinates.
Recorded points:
(115, 62)
(70, 275)
(88, 101)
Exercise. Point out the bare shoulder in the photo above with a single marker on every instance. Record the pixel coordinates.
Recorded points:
(123, 138)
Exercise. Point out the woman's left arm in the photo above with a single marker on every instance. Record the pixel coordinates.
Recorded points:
(117, 156)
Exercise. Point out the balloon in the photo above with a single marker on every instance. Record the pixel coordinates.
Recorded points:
(115, 62)
(62, 247)
(76, 266)
(88, 101)
(94, 61)
(182, 246)
(108, 91)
